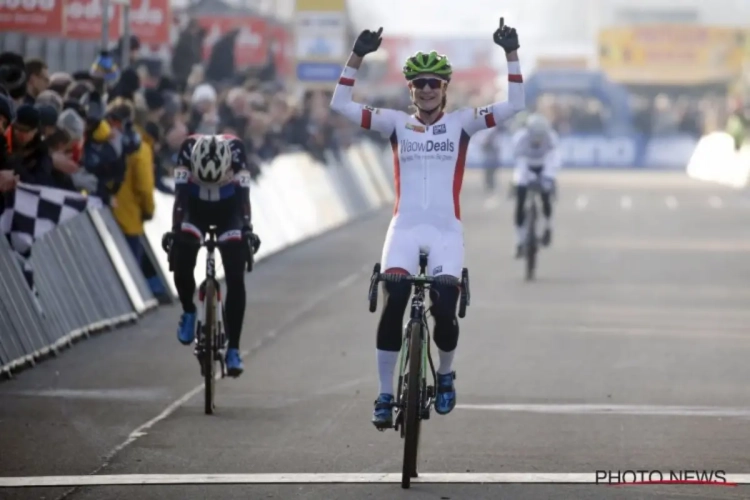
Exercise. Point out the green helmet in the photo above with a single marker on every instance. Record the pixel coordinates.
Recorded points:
(433, 63)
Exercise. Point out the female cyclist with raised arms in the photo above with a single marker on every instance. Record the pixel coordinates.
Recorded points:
(429, 153)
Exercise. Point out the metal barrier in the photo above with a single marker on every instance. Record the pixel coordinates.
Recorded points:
(86, 279)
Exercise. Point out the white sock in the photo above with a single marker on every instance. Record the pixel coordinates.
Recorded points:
(519, 234)
(386, 366)
(446, 361)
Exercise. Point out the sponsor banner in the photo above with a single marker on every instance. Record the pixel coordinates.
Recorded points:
(83, 20)
(592, 151)
(320, 40)
(151, 21)
(33, 17)
(671, 54)
(252, 44)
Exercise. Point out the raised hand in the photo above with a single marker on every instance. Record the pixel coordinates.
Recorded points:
(368, 42)
(506, 37)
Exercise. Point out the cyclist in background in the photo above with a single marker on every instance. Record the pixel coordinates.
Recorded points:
(536, 154)
(212, 187)
(429, 158)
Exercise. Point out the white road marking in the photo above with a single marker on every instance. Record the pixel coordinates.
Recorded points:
(715, 202)
(141, 430)
(333, 478)
(671, 202)
(626, 203)
(582, 202)
(134, 394)
(594, 409)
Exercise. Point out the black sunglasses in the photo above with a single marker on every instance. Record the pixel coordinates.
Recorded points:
(434, 83)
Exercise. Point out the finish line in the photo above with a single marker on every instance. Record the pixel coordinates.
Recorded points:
(391, 478)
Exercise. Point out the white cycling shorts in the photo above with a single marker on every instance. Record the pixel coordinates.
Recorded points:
(445, 249)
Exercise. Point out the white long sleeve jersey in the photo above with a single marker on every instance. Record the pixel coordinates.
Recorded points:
(529, 152)
(428, 160)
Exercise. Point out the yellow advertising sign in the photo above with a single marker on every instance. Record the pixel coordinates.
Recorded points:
(671, 54)
(321, 5)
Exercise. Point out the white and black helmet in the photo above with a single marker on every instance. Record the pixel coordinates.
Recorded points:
(210, 159)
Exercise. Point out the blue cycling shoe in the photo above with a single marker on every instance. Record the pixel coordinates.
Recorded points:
(382, 416)
(234, 363)
(186, 329)
(445, 400)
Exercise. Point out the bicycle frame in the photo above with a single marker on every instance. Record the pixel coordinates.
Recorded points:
(211, 244)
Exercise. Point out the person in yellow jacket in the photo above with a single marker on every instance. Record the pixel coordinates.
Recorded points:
(134, 201)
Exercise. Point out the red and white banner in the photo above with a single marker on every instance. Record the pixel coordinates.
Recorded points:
(83, 20)
(36, 17)
(252, 43)
(150, 20)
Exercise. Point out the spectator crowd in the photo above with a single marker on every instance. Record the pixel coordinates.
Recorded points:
(114, 131)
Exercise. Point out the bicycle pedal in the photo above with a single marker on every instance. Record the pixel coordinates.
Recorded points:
(383, 427)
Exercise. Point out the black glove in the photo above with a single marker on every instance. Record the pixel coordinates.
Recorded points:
(253, 242)
(367, 42)
(166, 241)
(506, 37)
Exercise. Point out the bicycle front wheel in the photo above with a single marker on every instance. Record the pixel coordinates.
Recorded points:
(412, 410)
(209, 342)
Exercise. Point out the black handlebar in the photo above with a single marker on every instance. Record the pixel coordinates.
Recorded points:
(423, 281)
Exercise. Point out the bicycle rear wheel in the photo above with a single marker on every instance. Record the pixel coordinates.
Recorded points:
(531, 243)
(209, 342)
(412, 410)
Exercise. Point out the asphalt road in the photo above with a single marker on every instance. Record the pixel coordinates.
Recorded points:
(630, 351)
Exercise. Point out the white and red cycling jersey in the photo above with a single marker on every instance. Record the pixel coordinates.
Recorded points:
(428, 164)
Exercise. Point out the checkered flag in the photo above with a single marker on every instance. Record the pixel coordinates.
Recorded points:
(31, 211)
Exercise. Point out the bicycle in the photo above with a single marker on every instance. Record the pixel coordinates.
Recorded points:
(531, 240)
(414, 396)
(211, 340)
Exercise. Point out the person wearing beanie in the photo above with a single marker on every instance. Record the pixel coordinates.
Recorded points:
(13, 76)
(73, 124)
(50, 98)
(59, 83)
(155, 105)
(47, 119)
(23, 129)
(28, 153)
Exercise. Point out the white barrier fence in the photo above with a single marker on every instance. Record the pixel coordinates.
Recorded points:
(715, 160)
(297, 198)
